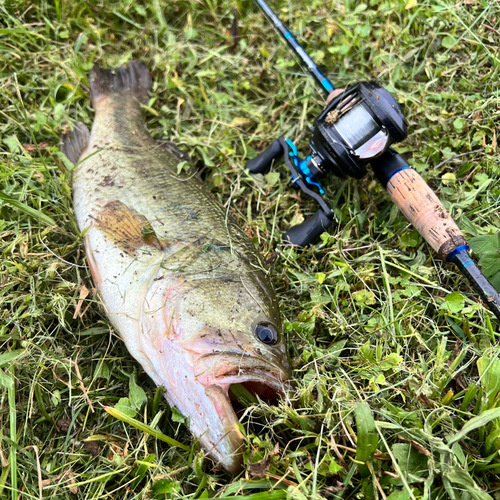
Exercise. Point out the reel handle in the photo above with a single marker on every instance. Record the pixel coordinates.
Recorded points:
(263, 161)
(305, 233)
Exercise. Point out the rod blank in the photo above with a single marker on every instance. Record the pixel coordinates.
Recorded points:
(296, 48)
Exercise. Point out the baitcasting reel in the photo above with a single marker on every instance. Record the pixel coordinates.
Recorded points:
(355, 129)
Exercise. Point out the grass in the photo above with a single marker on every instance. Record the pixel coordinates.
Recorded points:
(396, 363)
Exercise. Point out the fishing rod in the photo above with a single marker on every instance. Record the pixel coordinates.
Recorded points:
(354, 130)
(295, 46)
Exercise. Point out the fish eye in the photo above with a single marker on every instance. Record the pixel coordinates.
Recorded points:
(266, 333)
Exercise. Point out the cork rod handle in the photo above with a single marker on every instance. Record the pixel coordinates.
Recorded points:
(424, 210)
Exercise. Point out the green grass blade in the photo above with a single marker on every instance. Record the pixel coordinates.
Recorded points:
(26, 209)
(367, 437)
(145, 428)
(7, 358)
(13, 432)
(475, 423)
(244, 396)
(97, 479)
(264, 495)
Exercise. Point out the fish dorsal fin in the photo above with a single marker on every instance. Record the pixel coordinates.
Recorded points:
(133, 78)
(75, 142)
(129, 229)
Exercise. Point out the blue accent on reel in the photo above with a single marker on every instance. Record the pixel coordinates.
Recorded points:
(293, 148)
(302, 166)
(460, 249)
(308, 176)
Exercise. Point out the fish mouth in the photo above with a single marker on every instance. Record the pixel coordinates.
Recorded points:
(265, 385)
(218, 372)
(258, 376)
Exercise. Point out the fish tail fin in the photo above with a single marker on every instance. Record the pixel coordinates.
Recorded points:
(75, 142)
(133, 78)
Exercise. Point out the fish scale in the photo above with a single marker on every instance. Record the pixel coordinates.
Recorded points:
(179, 280)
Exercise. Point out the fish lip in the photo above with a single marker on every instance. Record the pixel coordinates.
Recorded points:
(269, 380)
(230, 457)
(217, 371)
(217, 388)
(233, 368)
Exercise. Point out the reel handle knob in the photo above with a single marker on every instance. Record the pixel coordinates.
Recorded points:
(262, 162)
(305, 233)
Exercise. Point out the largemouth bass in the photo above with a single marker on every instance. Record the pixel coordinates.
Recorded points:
(179, 280)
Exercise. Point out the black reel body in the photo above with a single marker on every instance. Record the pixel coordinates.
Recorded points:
(356, 127)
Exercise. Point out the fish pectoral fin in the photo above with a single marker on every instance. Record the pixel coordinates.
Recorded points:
(73, 143)
(127, 227)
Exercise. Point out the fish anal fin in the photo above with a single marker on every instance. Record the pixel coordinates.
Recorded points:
(129, 229)
(73, 143)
